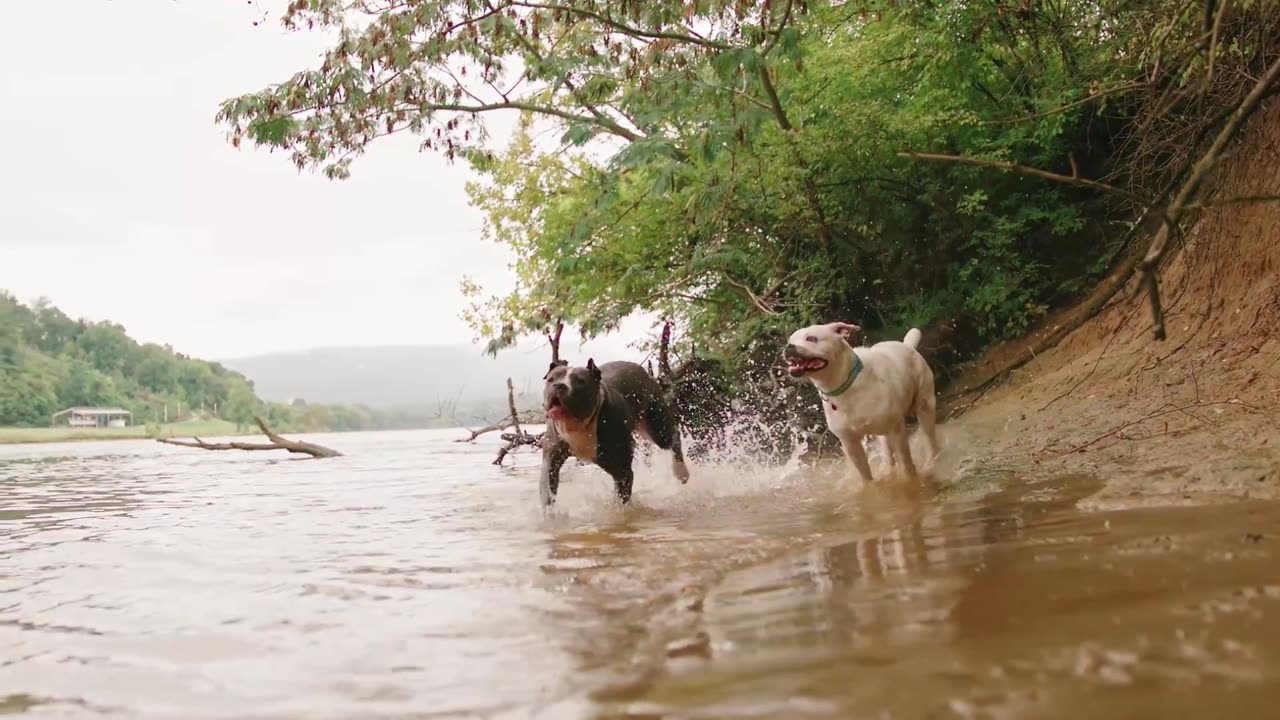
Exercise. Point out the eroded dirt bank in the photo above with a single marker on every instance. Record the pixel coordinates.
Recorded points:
(1190, 420)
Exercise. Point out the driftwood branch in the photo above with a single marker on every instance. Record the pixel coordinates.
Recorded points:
(520, 437)
(277, 443)
(502, 424)
(511, 404)
(514, 441)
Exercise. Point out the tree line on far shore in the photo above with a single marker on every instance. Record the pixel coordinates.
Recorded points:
(50, 361)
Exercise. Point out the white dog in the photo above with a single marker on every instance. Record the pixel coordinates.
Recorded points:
(867, 390)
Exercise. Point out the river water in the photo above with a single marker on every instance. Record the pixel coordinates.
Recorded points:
(411, 578)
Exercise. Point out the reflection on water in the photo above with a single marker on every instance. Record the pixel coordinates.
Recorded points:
(410, 578)
(1015, 606)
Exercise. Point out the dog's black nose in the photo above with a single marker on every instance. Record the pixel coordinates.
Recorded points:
(789, 350)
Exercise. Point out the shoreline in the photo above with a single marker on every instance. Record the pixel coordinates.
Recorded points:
(46, 435)
(203, 429)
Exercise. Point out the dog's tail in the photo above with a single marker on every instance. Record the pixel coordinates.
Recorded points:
(912, 339)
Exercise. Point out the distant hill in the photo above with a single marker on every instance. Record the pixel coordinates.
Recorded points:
(393, 376)
(50, 361)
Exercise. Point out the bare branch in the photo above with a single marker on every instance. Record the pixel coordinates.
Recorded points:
(511, 403)
(554, 339)
(1213, 44)
(686, 37)
(1238, 200)
(1025, 170)
(1069, 106)
(1172, 215)
(751, 296)
(502, 424)
(777, 33)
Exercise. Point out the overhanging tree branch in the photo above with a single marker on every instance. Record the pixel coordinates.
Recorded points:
(1027, 170)
(686, 37)
(1172, 215)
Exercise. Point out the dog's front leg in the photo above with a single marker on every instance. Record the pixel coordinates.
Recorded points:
(855, 455)
(618, 463)
(622, 483)
(553, 456)
(900, 444)
(678, 465)
(889, 452)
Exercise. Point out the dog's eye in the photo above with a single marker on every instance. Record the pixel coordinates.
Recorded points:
(811, 339)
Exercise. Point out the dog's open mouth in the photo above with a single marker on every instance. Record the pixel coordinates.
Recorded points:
(798, 366)
(555, 409)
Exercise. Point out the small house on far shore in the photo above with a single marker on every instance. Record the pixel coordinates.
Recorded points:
(93, 417)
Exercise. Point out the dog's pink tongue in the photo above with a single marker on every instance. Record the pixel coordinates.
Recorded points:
(556, 412)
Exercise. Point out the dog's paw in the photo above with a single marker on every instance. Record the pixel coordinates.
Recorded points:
(681, 472)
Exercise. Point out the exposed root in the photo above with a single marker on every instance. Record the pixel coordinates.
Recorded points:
(1165, 410)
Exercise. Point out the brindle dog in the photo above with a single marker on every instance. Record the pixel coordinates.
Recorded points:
(593, 414)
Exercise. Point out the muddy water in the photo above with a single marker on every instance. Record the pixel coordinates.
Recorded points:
(413, 579)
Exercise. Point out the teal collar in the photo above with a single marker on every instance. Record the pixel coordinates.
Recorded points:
(853, 375)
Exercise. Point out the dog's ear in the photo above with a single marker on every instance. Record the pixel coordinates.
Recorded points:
(591, 368)
(554, 365)
(845, 330)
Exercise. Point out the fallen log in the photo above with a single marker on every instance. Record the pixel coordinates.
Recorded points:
(277, 443)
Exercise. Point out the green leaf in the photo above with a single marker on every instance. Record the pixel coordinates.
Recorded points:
(276, 131)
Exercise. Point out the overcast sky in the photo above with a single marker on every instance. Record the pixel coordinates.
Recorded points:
(122, 200)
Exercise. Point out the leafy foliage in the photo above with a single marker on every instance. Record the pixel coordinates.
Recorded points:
(738, 166)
